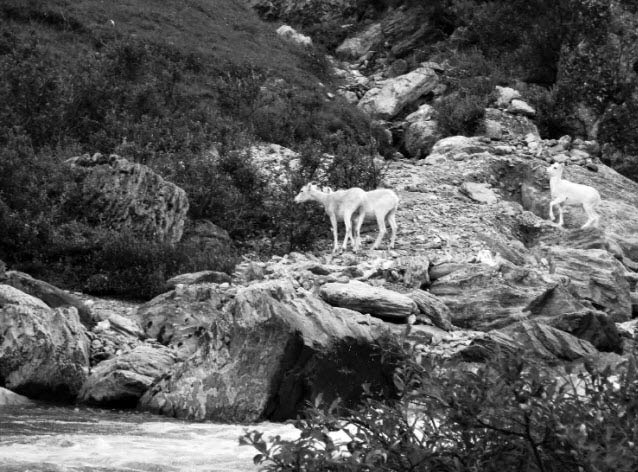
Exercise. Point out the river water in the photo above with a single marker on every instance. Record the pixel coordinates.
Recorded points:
(60, 439)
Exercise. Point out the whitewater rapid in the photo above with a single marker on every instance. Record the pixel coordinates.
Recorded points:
(58, 439)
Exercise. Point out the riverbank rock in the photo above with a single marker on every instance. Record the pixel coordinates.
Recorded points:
(44, 352)
(9, 398)
(181, 317)
(367, 299)
(129, 196)
(120, 381)
(53, 296)
(532, 338)
(270, 351)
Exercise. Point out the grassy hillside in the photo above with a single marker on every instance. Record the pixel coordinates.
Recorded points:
(158, 82)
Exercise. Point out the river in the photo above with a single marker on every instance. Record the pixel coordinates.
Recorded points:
(60, 439)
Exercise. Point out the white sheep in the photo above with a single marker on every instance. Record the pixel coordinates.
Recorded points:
(569, 193)
(343, 205)
(381, 204)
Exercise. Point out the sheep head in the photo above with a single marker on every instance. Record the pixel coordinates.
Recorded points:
(306, 193)
(556, 169)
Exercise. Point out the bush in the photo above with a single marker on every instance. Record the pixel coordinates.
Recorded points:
(508, 415)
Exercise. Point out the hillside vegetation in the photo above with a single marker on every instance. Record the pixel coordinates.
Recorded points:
(160, 83)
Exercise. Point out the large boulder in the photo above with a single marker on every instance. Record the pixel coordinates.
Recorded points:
(532, 338)
(388, 100)
(271, 350)
(433, 308)
(594, 276)
(420, 136)
(49, 294)
(122, 380)
(291, 35)
(129, 196)
(179, 318)
(484, 297)
(44, 352)
(367, 299)
(591, 325)
(357, 46)
(9, 398)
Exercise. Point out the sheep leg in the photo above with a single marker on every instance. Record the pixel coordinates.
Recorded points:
(358, 223)
(347, 221)
(335, 233)
(382, 231)
(393, 225)
(593, 217)
(556, 201)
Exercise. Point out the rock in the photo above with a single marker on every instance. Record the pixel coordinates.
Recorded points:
(536, 339)
(179, 318)
(479, 192)
(128, 196)
(450, 148)
(206, 236)
(591, 325)
(505, 95)
(119, 382)
(519, 107)
(125, 326)
(271, 351)
(387, 101)
(482, 297)
(204, 276)
(44, 352)
(502, 125)
(441, 270)
(366, 299)
(424, 113)
(419, 137)
(416, 271)
(9, 398)
(291, 35)
(53, 296)
(357, 46)
(434, 308)
(595, 276)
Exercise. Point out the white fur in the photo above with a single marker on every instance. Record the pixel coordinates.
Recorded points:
(564, 192)
(342, 205)
(381, 205)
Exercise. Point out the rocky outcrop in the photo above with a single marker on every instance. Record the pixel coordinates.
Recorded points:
(268, 352)
(122, 380)
(129, 197)
(366, 299)
(595, 276)
(181, 317)
(394, 94)
(44, 352)
(49, 294)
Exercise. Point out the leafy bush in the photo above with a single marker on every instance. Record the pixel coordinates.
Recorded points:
(507, 415)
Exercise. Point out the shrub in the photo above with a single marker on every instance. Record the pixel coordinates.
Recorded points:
(508, 415)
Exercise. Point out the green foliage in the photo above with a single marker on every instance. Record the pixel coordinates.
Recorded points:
(508, 415)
